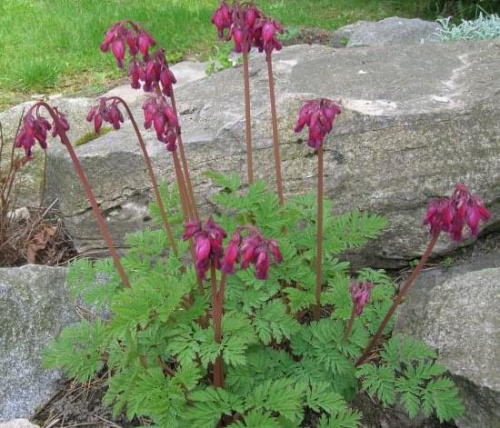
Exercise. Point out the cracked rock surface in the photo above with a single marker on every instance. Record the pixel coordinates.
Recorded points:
(455, 311)
(35, 305)
(416, 120)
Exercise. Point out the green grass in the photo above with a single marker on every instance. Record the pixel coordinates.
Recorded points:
(53, 45)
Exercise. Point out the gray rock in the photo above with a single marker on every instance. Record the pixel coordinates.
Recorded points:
(413, 125)
(18, 423)
(456, 312)
(29, 181)
(392, 31)
(34, 306)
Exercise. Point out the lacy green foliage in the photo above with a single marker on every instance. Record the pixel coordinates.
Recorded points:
(159, 347)
(408, 372)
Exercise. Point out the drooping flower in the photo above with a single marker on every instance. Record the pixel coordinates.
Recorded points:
(63, 123)
(144, 42)
(231, 254)
(135, 72)
(159, 113)
(245, 23)
(35, 128)
(452, 214)
(265, 39)
(318, 115)
(360, 294)
(253, 249)
(221, 18)
(106, 111)
(207, 242)
(153, 69)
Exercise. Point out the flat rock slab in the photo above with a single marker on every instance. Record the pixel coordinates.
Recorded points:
(18, 423)
(30, 179)
(392, 31)
(34, 306)
(456, 312)
(415, 121)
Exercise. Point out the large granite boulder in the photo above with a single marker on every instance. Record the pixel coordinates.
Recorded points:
(456, 312)
(34, 307)
(392, 31)
(415, 121)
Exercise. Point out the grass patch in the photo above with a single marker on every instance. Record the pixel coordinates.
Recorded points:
(92, 135)
(53, 45)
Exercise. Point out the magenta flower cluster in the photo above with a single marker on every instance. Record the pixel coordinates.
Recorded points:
(247, 26)
(157, 112)
(152, 69)
(208, 244)
(360, 294)
(105, 112)
(319, 116)
(35, 128)
(252, 249)
(451, 215)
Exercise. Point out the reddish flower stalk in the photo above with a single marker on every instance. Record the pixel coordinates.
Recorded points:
(319, 116)
(152, 175)
(350, 323)
(274, 117)
(319, 234)
(402, 293)
(187, 175)
(217, 310)
(26, 139)
(248, 120)
(153, 70)
(449, 215)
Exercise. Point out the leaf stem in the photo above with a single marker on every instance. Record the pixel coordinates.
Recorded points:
(402, 293)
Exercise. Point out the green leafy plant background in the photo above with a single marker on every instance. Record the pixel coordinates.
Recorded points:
(159, 348)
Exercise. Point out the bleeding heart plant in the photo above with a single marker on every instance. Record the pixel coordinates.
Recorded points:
(249, 318)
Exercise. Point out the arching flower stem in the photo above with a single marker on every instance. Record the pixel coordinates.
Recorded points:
(89, 193)
(152, 175)
(399, 298)
(274, 119)
(187, 175)
(319, 233)
(248, 123)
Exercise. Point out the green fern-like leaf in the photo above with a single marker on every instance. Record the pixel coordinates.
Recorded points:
(379, 382)
(272, 322)
(320, 396)
(280, 395)
(347, 419)
(209, 404)
(157, 397)
(258, 419)
(441, 395)
(78, 350)
(230, 182)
